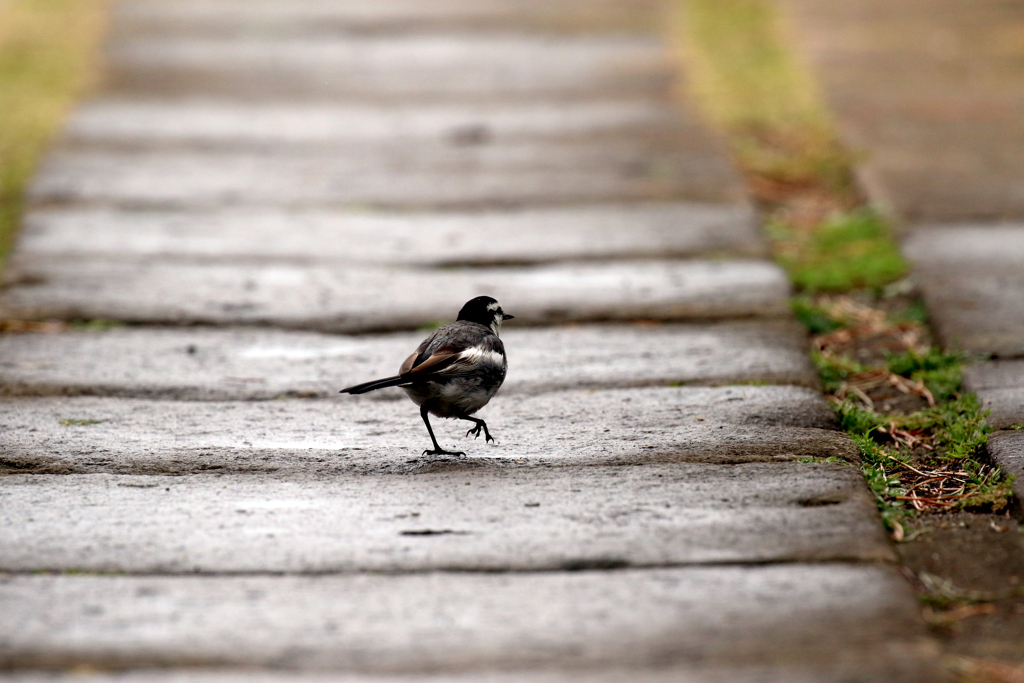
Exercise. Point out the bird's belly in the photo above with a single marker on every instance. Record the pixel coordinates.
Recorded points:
(454, 398)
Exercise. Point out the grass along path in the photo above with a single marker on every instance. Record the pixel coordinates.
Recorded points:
(895, 392)
(49, 51)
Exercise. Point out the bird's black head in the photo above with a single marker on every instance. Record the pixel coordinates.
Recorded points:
(486, 311)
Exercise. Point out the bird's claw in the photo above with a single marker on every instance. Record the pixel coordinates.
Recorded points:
(441, 451)
(475, 431)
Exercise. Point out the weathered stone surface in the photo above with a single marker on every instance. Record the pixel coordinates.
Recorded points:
(1000, 386)
(364, 434)
(430, 66)
(121, 123)
(914, 663)
(149, 18)
(948, 245)
(246, 363)
(930, 91)
(518, 519)
(972, 278)
(439, 176)
(443, 622)
(312, 236)
(362, 298)
(1006, 448)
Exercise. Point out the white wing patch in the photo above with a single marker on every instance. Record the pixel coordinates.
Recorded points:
(475, 354)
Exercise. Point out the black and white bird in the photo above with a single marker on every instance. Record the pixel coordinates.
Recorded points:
(455, 371)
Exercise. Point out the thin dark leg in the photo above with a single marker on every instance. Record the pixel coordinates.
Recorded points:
(437, 449)
(475, 431)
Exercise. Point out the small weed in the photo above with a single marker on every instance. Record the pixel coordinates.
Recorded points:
(941, 371)
(835, 370)
(815, 318)
(818, 460)
(851, 250)
(71, 422)
(96, 324)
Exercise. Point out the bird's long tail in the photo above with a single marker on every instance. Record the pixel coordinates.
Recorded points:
(376, 384)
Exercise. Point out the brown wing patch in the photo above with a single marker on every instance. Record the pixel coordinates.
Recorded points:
(407, 363)
(435, 363)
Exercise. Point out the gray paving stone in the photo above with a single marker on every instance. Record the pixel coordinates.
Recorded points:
(1006, 448)
(916, 663)
(381, 435)
(246, 363)
(364, 298)
(972, 278)
(519, 519)
(123, 122)
(311, 236)
(318, 17)
(440, 176)
(931, 92)
(443, 622)
(437, 65)
(1000, 386)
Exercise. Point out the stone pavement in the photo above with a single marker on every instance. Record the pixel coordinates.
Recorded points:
(933, 94)
(187, 498)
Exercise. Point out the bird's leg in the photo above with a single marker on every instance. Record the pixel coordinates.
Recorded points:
(475, 431)
(437, 448)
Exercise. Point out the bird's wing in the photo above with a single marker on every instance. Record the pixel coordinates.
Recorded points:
(452, 350)
(438, 362)
(409, 362)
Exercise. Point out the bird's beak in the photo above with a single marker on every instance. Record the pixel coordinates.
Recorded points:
(506, 316)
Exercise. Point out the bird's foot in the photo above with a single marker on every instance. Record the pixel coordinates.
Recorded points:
(475, 431)
(441, 451)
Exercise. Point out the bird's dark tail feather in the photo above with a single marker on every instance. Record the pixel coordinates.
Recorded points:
(375, 384)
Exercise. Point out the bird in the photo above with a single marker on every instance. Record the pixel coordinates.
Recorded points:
(455, 371)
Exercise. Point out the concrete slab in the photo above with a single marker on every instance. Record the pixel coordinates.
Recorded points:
(461, 622)
(916, 664)
(1000, 386)
(368, 435)
(132, 122)
(429, 66)
(211, 364)
(321, 236)
(972, 278)
(931, 92)
(520, 519)
(319, 17)
(1006, 448)
(366, 298)
(438, 176)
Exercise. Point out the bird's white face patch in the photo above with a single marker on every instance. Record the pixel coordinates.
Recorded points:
(496, 324)
(492, 307)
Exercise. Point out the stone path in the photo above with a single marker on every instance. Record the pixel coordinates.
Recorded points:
(188, 498)
(933, 94)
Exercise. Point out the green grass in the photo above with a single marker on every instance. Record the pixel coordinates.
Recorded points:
(48, 55)
(848, 250)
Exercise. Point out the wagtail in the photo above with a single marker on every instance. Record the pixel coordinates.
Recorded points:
(455, 371)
